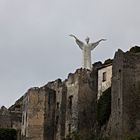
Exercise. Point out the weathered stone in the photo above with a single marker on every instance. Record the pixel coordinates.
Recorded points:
(11, 118)
(81, 98)
(58, 86)
(49, 115)
(125, 112)
(5, 118)
(33, 114)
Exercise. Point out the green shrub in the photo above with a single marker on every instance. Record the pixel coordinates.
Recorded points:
(87, 136)
(133, 137)
(8, 134)
(104, 107)
(108, 61)
(135, 49)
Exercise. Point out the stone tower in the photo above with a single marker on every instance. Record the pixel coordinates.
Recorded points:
(125, 115)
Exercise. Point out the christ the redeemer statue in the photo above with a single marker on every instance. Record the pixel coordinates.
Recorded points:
(86, 50)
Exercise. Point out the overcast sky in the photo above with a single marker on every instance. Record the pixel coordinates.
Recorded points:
(35, 47)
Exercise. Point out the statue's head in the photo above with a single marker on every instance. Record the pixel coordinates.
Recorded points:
(87, 40)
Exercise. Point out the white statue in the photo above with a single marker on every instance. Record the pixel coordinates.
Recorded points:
(86, 50)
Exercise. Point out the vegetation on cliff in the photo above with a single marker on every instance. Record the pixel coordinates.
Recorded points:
(8, 134)
(135, 49)
(104, 107)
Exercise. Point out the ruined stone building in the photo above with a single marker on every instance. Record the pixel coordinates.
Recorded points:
(125, 104)
(5, 118)
(53, 111)
(11, 118)
(61, 109)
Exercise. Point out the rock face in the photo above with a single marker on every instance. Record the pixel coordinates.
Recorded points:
(125, 112)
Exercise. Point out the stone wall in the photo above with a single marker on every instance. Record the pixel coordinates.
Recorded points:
(57, 109)
(5, 118)
(125, 111)
(81, 98)
(33, 114)
(87, 97)
(72, 95)
(11, 117)
(72, 84)
(16, 116)
(57, 86)
(104, 78)
(50, 125)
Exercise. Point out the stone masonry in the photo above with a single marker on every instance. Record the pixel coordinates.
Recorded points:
(5, 118)
(58, 87)
(80, 98)
(125, 112)
(11, 118)
(33, 114)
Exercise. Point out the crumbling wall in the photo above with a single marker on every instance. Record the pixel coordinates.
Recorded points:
(81, 99)
(58, 109)
(125, 116)
(57, 86)
(72, 84)
(33, 114)
(87, 98)
(11, 118)
(16, 116)
(49, 115)
(5, 118)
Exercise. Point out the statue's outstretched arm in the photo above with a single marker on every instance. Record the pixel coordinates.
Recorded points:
(79, 42)
(93, 45)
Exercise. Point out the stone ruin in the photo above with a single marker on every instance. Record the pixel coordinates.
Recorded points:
(64, 109)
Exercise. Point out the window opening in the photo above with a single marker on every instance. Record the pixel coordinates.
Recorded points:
(70, 102)
(104, 77)
(69, 128)
(57, 105)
